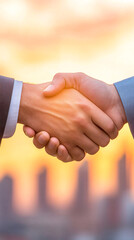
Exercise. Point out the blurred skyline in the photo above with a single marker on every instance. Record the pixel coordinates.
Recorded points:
(108, 217)
(40, 38)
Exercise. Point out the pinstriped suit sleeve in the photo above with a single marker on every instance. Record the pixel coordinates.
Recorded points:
(125, 89)
(6, 87)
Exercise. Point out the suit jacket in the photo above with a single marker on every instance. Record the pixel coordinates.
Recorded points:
(125, 89)
(6, 87)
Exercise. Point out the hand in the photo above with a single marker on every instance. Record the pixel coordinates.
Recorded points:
(103, 95)
(54, 114)
(51, 144)
(100, 93)
(95, 134)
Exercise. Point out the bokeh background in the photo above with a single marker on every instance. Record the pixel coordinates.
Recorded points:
(42, 196)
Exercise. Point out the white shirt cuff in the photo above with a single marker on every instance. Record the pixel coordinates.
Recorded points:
(13, 113)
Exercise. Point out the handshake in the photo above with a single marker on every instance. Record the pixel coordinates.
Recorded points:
(73, 115)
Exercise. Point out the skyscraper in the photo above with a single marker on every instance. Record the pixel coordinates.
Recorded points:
(42, 190)
(81, 202)
(123, 181)
(6, 196)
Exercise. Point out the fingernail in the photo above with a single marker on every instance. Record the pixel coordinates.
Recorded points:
(41, 139)
(49, 88)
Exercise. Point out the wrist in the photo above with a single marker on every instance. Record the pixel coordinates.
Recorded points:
(24, 103)
(31, 99)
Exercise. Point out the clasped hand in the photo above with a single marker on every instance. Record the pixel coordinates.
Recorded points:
(72, 115)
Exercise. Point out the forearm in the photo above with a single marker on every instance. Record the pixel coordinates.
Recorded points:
(29, 103)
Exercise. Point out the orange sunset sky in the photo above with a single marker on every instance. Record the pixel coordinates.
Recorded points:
(41, 37)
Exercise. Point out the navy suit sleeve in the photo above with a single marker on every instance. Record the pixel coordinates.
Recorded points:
(6, 87)
(125, 89)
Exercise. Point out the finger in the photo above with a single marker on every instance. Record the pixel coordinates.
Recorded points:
(88, 145)
(41, 139)
(76, 153)
(52, 146)
(105, 123)
(98, 136)
(63, 155)
(29, 132)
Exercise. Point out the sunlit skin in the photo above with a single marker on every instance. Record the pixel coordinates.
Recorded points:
(101, 94)
(78, 123)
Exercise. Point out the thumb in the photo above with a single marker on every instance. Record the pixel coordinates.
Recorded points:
(55, 87)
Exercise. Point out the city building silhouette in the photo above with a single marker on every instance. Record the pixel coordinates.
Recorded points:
(81, 200)
(42, 190)
(6, 199)
(108, 218)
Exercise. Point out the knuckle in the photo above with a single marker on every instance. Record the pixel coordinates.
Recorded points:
(57, 75)
(80, 74)
(82, 123)
(84, 106)
(79, 120)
